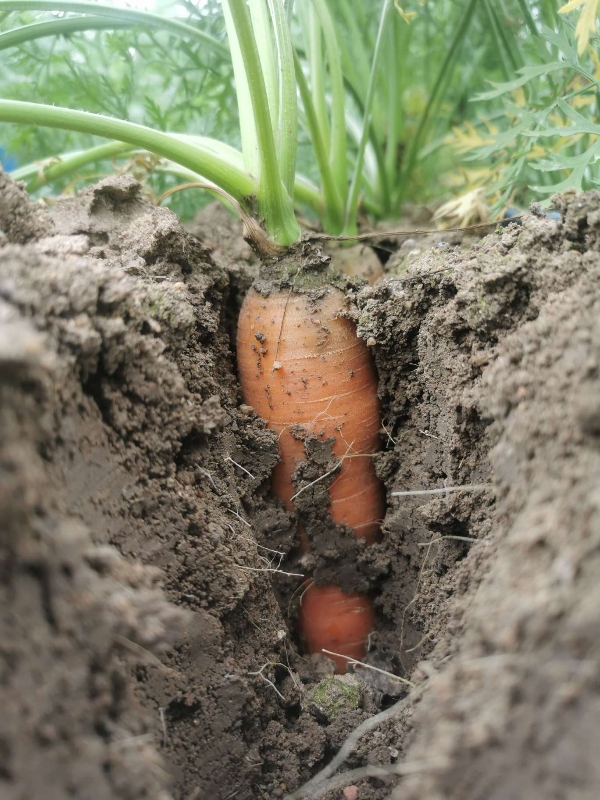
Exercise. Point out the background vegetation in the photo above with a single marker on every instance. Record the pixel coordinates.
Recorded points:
(489, 102)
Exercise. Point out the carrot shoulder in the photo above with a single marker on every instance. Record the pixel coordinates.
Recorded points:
(302, 367)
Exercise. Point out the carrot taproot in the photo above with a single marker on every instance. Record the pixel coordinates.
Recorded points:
(304, 370)
(335, 621)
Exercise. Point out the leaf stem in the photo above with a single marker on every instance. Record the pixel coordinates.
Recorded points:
(125, 14)
(338, 145)
(38, 174)
(58, 27)
(273, 201)
(334, 215)
(352, 202)
(201, 161)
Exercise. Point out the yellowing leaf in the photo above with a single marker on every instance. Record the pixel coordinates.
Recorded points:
(582, 100)
(492, 129)
(518, 96)
(586, 24)
(469, 209)
(536, 152)
(467, 138)
(570, 6)
(406, 15)
(465, 179)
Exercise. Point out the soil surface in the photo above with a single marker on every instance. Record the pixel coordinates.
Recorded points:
(147, 629)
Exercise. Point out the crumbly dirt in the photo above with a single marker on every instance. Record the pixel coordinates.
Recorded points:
(137, 599)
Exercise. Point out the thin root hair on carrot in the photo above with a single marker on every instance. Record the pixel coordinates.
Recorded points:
(381, 771)
(260, 674)
(209, 476)
(416, 594)
(241, 519)
(428, 637)
(235, 463)
(332, 471)
(470, 539)
(163, 725)
(361, 237)
(271, 566)
(269, 569)
(469, 487)
(354, 662)
(315, 784)
(309, 581)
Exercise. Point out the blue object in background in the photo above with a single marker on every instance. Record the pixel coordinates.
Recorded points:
(509, 215)
(512, 212)
(555, 215)
(8, 162)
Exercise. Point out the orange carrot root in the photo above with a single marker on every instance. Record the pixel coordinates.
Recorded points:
(333, 620)
(302, 365)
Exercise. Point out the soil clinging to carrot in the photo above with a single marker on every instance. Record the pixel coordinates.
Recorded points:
(129, 458)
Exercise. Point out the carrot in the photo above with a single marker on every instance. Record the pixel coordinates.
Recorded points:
(332, 620)
(304, 370)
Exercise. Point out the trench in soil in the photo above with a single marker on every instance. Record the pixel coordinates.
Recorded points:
(124, 423)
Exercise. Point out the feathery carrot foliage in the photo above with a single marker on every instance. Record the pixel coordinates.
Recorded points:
(412, 70)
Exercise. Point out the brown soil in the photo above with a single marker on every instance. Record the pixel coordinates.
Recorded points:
(135, 601)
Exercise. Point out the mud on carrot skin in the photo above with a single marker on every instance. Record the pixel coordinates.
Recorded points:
(304, 370)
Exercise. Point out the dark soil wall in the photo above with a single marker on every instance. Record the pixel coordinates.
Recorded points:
(137, 432)
(503, 341)
(515, 711)
(124, 426)
(75, 618)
